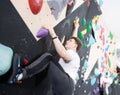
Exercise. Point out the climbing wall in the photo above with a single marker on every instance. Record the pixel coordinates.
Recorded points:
(19, 28)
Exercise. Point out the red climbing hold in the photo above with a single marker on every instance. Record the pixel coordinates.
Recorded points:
(35, 6)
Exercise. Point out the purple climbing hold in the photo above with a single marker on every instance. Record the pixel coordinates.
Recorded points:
(42, 32)
(96, 90)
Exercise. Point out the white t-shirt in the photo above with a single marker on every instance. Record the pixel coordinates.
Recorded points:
(71, 67)
(118, 62)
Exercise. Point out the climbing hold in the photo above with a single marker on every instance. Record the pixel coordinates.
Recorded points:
(6, 54)
(84, 45)
(35, 6)
(100, 2)
(84, 31)
(96, 90)
(84, 91)
(109, 62)
(83, 22)
(24, 61)
(97, 27)
(71, 3)
(88, 3)
(42, 32)
(85, 64)
(81, 37)
(98, 46)
(89, 26)
(96, 72)
(79, 86)
(113, 53)
(93, 80)
(76, 20)
(91, 41)
(111, 35)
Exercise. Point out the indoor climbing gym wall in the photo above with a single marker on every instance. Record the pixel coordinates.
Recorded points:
(21, 23)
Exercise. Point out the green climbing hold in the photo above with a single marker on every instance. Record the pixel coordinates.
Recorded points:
(80, 35)
(109, 63)
(83, 22)
(111, 35)
(89, 27)
(84, 45)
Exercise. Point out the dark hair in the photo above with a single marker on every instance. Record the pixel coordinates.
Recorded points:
(118, 74)
(78, 42)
